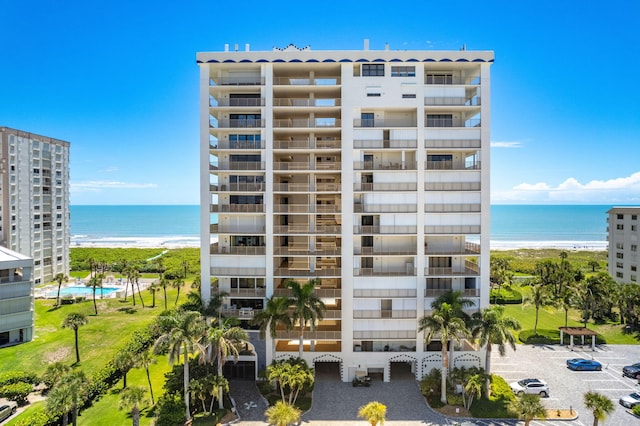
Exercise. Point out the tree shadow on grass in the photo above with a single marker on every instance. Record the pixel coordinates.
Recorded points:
(128, 310)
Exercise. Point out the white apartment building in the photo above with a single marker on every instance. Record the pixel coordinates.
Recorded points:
(623, 228)
(34, 189)
(368, 170)
(16, 297)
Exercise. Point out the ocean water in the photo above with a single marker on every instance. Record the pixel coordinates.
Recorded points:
(512, 226)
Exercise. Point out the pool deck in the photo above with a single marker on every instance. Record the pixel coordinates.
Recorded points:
(50, 291)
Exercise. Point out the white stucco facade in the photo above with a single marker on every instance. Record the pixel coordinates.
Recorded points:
(16, 298)
(624, 240)
(368, 170)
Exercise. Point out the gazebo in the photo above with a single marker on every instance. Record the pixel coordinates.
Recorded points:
(578, 331)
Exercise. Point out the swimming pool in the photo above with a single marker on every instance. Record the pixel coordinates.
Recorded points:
(77, 290)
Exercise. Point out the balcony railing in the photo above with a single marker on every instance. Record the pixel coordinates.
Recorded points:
(385, 186)
(452, 143)
(246, 292)
(291, 187)
(307, 144)
(228, 123)
(236, 229)
(306, 102)
(452, 229)
(237, 272)
(384, 272)
(451, 101)
(241, 250)
(430, 292)
(383, 334)
(452, 186)
(241, 313)
(306, 165)
(236, 102)
(385, 292)
(452, 122)
(384, 208)
(320, 292)
(452, 165)
(307, 208)
(386, 165)
(314, 335)
(469, 268)
(469, 248)
(384, 313)
(238, 187)
(387, 229)
(452, 208)
(237, 208)
(388, 122)
(236, 144)
(381, 251)
(326, 272)
(306, 81)
(304, 250)
(443, 79)
(312, 123)
(237, 81)
(238, 165)
(382, 144)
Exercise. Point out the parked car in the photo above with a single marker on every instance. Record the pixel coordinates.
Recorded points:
(361, 381)
(630, 400)
(7, 409)
(631, 370)
(581, 364)
(532, 386)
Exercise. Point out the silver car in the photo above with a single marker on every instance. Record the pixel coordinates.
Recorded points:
(631, 400)
(7, 409)
(531, 386)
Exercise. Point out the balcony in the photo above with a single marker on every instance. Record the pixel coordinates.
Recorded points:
(237, 81)
(385, 272)
(448, 79)
(236, 250)
(306, 123)
(387, 229)
(385, 186)
(311, 335)
(452, 143)
(469, 269)
(252, 145)
(287, 272)
(383, 334)
(437, 292)
(228, 123)
(307, 144)
(452, 186)
(238, 165)
(237, 208)
(238, 187)
(389, 122)
(306, 81)
(452, 165)
(469, 248)
(384, 313)
(384, 293)
(218, 271)
(384, 165)
(334, 293)
(384, 144)
(252, 229)
(451, 101)
(241, 313)
(306, 102)
(452, 229)
(306, 165)
(380, 251)
(452, 122)
(236, 102)
(291, 187)
(305, 250)
(452, 208)
(384, 208)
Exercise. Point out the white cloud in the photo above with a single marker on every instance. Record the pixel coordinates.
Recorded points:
(514, 144)
(99, 185)
(623, 190)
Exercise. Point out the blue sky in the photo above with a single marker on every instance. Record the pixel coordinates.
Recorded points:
(119, 81)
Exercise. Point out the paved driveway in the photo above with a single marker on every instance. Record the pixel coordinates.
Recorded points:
(568, 387)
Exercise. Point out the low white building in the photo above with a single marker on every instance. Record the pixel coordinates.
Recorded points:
(16, 297)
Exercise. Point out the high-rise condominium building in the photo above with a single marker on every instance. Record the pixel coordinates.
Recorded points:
(367, 171)
(34, 189)
(16, 297)
(624, 239)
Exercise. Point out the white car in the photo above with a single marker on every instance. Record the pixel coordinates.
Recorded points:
(631, 400)
(531, 386)
(7, 409)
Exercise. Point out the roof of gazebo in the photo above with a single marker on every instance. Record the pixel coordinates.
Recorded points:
(578, 331)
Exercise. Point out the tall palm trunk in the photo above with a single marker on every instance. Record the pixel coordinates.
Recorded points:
(77, 349)
(445, 369)
(140, 293)
(153, 402)
(135, 415)
(301, 344)
(487, 370)
(95, 306)
(58, 296)
(220, 395)
(186, 382)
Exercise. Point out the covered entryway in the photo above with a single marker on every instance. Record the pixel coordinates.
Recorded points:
(242, 370)
(402, 367)
(328, 367)
(578, 332)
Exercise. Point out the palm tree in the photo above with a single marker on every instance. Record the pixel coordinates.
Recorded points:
(68, 395)
(458, 303)
(492, 327)
(153, 289)
(74, 321)
(131, 272)
(218, 385)
(307, 307)
(180, 332)
(473, 388)
(145, 359)
(60, 278)
(282, 414)
(124, 361)
(539, 298)
(199, 389)
(131, 398)
(54, 373)
(599, 405)
(444, 324)
(221, 342)
(95, 282)
(275, 312)
(177, 284)
(594, 265)
(528, 407)
(136, 279)
(162, 281)
(374, 412)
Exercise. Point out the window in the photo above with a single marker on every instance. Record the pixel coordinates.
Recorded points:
(244, 141)
(403, 71)
(374, 91)
(634, 247)
(619, 265)
(245, 120)
(440, 78)
(634, 268)
(634, 228)
(619, 256)
(634, 217)
(633, 278)
(619, 275)
(620, 227)
(439, 120)
(619, 216)
(440, 161)
(373, 70)
(367, 119)
(619, 246)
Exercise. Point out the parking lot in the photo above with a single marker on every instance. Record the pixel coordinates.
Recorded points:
(567, 387)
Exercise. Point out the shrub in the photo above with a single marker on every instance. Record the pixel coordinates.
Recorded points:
(506, 297)
(170, 410)
(11, 377)
(17, 392)
(636, 410)
(39, 417)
